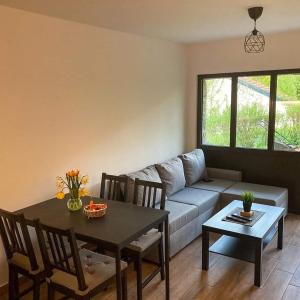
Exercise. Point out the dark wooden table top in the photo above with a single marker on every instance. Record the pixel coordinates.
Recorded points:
(122, 223)
(259, 230)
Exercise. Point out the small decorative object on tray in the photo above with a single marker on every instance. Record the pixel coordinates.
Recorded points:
(248, 199)
(95, 210)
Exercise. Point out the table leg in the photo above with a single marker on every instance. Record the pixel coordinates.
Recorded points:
(205, 249)
(167, 257)
(118, 275)
(280, 233)
(258, 262)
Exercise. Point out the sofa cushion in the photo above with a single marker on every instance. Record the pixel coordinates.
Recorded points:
(203, 199)
(194, 166)
(215, 184)
(180, 214)
(232, 175)
(150, 174)
(264, 194)
(172, 175)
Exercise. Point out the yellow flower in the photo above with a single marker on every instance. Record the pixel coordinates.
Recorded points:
(60, 195)
(73, 173)
(83, 192)
(59, 183)
(85, 180)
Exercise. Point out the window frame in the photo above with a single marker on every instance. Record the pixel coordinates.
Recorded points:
(234, 91)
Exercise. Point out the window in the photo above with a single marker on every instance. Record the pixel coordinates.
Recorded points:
(287, 125)
(253, 110)
(216, 111)
(253, 98)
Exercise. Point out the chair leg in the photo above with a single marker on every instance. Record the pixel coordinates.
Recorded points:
(161, 260)
(139, 278)
(11, 279)
(36, 289)
(124, 285)
(51, 292)
(16, 285)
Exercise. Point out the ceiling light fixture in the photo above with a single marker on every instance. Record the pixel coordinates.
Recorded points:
(254, 41)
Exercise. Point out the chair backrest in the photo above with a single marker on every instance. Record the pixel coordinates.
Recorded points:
(15, 237)
(59, 251)
(111, 186)
(149, 194)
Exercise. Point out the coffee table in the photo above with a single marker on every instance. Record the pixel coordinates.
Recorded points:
(241, 241)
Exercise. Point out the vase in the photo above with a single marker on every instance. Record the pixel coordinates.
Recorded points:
(74, 204)
(247, 206)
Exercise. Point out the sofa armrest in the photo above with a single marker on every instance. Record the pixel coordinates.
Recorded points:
(224, 174)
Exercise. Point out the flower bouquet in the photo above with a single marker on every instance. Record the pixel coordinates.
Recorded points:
(73, 182)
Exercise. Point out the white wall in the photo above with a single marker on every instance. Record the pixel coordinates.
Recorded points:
(282, 51)
(77, 96)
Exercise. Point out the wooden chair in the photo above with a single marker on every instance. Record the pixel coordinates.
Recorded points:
(148, 194)
(20, 254)
(112, 187)
(82, 275)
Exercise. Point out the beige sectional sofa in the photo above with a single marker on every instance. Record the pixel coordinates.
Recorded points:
(195, 193)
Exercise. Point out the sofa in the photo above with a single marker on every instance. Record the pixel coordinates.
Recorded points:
(195, 193)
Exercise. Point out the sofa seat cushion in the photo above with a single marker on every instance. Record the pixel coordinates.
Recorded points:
(203, 199)
(180, 214)
(215, 184)
(145, 241)
(264, 194)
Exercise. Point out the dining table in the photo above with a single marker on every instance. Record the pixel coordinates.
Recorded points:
(122, 224)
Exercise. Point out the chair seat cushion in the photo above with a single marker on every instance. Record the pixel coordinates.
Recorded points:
(202, 199)
(263, 194)
(145, 241)
(22, 261)
(104, 268)
(180, 214)
(216, 185)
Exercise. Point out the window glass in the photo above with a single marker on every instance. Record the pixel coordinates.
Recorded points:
(287, 120)
(253, 99)
(216, 111)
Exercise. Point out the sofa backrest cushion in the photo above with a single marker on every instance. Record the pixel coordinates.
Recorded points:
(172, 175)
(194, 166)
(149, 174)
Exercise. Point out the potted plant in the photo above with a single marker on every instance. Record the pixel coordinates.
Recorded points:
(248, 199)
(74, 183)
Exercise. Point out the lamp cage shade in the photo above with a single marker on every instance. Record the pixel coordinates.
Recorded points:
(254, 42)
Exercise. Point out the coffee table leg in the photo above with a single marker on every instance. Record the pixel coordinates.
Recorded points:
(205, 250)
(258, 263)
(280, 234)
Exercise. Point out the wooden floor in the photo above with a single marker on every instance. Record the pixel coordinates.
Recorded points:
(227, 278)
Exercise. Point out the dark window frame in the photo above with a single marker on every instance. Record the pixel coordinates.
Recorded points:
(234, 79)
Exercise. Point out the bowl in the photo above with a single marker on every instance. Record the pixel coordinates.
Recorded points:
(95, 211)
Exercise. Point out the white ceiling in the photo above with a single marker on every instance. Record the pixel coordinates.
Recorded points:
(177, 20)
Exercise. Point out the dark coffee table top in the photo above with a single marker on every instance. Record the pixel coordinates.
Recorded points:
(122, 224)
(259, 230)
